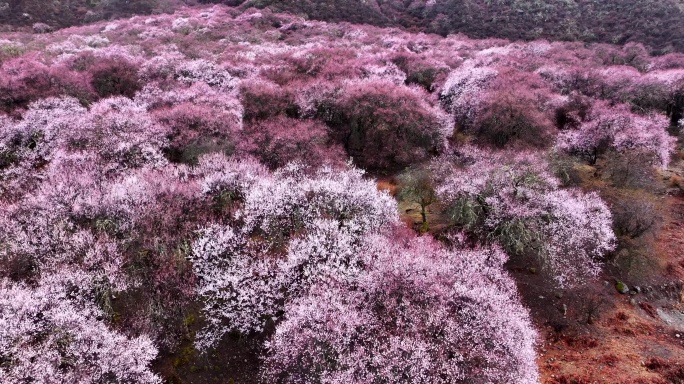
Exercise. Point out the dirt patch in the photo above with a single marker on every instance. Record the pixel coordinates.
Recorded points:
(635, 338)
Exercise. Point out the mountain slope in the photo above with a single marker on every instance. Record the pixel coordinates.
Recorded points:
(656, 24)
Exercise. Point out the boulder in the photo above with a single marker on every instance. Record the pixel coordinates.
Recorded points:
(621, 287)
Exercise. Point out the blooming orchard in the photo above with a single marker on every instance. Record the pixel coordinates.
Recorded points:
(513, 200)
(166, 181)
(291, 230)
(50, 334)
(417, 313)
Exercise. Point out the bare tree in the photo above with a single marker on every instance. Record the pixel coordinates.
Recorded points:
(417, 186)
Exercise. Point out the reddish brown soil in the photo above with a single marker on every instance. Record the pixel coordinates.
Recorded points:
(634, 338)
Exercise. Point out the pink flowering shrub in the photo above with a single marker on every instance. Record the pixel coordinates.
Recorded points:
(386, 126)
(113, 227)
(26, 79)
(197, 129)
(86, 188)
(248, 269)
(48, 336)
(668, 61)
(326, 63)
(421, 71)
(165, 211)
(631, 54)
(508, 120)
(495, 106)
(54, 312)
(291, 200)
(63, 223)
(512, 200)
(27, 145)
(228, 179)
(462, 92)
(115, 77)
(239, 288)
(173, 65)
(198, 118)
(262, 100)
(282, 140)
(192, 71)
(417, 313)
(125, 133)
(568, 79)
(615, 127)
(571, 113)
(656, 91)
(648, 95)
(117, 130)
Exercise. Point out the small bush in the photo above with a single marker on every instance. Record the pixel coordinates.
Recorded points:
(631, 169)
(326, 63)
(196, 129)
(26, 79)
(572, 113)
(115, 77)
(386, 127)
(564, 167)
(281, 140)
(509, 119)
(420, 72)
(635, 213)
(262, 100)
(19, 268)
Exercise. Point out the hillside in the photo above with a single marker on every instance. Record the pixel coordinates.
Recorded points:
(61, 14)
(656, 24)
(653, 23)
(237, 195)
